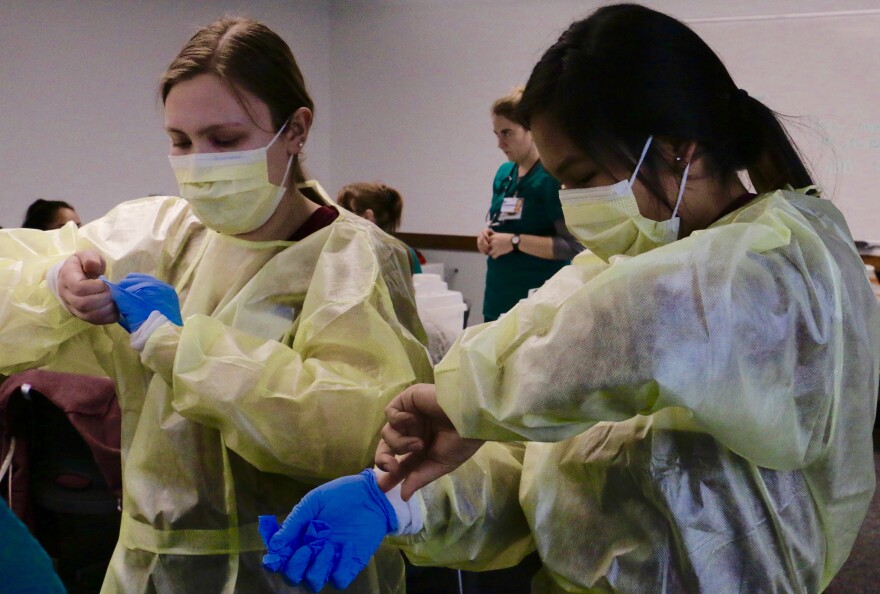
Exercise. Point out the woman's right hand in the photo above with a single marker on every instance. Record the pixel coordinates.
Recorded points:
(483, 240)
(419, 443)
(82, 292)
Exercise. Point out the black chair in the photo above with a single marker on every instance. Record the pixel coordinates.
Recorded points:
(76, 515)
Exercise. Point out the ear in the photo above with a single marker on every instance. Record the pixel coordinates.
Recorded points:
(369, 215)
(686, 151)
(298, 130)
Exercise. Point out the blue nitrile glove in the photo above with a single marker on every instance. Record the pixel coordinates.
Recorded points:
(138, 295)
(331, 534)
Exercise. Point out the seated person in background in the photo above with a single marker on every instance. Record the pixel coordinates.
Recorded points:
(381, 205)
(49, 214)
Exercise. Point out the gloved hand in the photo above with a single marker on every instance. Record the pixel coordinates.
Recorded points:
(138, 295)
(331, 534)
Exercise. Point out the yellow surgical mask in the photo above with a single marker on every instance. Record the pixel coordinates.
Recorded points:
(608, 222)
(230, 192)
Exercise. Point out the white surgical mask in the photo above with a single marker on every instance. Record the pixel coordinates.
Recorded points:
(608, 222)
(230, 192)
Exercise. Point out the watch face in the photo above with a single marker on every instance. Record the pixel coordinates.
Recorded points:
(515, 240)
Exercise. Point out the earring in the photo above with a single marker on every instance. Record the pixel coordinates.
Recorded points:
(301, 144)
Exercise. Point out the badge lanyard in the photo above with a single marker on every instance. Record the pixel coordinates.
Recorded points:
(511, 204)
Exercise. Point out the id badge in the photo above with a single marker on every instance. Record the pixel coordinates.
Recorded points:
(511, 209)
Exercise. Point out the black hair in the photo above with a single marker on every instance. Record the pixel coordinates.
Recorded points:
(627, 72)
(41, 213)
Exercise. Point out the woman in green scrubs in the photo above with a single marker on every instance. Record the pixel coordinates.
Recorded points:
(525, 238)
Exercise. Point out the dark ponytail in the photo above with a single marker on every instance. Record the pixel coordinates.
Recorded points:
(627, 72)
(772, 159)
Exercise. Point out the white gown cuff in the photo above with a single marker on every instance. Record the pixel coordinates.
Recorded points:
(409, 513)
(140, 336)
(52, 281)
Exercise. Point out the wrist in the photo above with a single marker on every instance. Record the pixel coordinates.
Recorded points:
(408, 513)
(52, 282)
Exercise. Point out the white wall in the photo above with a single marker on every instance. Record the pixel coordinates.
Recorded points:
(413, 82)
(402, 88)
(79, 115)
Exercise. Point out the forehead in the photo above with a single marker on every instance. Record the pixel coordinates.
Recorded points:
(500, 122)
(554, 145)
(206, 100)
(66, 214)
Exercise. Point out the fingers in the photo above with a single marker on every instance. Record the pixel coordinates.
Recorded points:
(299, 562)
(386, 461)
(499, 245)
(424, 474)
(318, 571)
(484, 239)
(424, 399)
(292, 528)
(346, 568)
(86, 297)
(267, 526)
(398, 441)
(93, 264)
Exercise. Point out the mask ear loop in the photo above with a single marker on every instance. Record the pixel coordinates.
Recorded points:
(290, 160)
(684, 178)
(635, 174)
(287, 171)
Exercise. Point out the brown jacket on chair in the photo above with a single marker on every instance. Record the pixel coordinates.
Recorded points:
(91, 407)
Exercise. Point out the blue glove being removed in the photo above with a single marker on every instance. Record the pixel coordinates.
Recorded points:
(138, 295)
(331, 534)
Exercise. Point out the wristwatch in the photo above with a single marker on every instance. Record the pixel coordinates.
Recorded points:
(514, 241)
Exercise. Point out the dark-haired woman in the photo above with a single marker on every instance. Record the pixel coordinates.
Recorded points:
(298, 325)
(698, 391)
(49, 214)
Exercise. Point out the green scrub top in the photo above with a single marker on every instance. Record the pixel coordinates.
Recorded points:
(510, 277)
(414, 261)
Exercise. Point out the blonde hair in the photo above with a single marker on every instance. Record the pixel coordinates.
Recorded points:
(508, 106)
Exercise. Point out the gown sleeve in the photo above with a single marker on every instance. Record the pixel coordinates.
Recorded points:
(350, 354)
(35, 329)
(740, 328)
(472, 517)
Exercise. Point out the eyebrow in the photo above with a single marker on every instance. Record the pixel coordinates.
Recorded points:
(208, 129)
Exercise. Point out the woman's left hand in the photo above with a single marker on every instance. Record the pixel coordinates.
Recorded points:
(500, 244)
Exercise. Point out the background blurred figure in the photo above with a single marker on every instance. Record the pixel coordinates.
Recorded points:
(525, 237)
(49, 214)
(381, 205)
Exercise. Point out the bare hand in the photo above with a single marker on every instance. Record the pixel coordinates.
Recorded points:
(420, 433)
(85, 296)
(483, 240)
(500, 244)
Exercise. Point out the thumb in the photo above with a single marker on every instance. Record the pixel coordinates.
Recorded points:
(93, 264)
